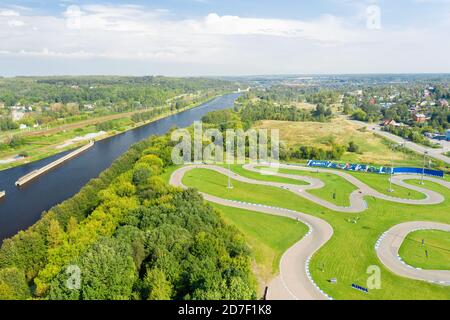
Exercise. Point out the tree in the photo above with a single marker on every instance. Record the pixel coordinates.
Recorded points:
(353, 147)
(157, 286)
(13, 285)
(359, 115)
(107, 273)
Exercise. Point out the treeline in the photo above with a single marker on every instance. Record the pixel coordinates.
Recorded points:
(8, 124)
(413, 134)
(288, 95)
(128, 235)
(103, 91)
(262, 110)
(314, 153)
(240, 119)
(148, 115)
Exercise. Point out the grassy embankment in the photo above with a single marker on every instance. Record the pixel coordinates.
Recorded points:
(351, 250)
(43, 143)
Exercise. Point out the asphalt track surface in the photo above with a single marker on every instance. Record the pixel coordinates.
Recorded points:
(294, 281)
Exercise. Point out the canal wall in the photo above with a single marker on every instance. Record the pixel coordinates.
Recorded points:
(36, 173)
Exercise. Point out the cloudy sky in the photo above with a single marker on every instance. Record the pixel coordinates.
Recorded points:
(223, 37)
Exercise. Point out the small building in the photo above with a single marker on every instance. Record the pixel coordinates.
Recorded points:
(420, 118)
(389, 123)
(17, 115)
(23, 126)
(447, 135)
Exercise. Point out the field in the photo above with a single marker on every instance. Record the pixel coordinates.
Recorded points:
(436, 243)
(373, 149)
(351, 249)
(335, 185)
(268, 237)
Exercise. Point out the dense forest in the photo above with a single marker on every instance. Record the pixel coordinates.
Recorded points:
(129, 236)
(103, 91)
(280, 104)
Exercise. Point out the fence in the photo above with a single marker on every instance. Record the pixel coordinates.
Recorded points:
(373, 169)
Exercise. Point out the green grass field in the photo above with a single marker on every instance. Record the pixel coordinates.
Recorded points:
(351, 250)
(268, 236)
(337, 190)
(380, 183)
(436, 242)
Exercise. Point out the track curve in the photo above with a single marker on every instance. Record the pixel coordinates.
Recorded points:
(357, 203)
(389, 244)
(294, 281)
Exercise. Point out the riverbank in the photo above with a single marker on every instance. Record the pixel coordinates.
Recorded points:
(22, 207)
(54, 146)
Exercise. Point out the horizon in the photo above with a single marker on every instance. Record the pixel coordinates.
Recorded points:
(226, 76)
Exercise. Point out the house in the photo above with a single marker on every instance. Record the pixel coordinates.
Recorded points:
(443, 103)
(17, 115)
(386, 105)
(393, 123)
(420, 118)
(389, 123)
(23, 126)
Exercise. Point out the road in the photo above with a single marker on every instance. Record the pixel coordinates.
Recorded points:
(389, 246)
(294, 281)
(432, 152)
(357, 203)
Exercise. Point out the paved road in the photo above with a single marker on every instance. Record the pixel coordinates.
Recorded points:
(433, 153)
(357, 203)
(389, 245)
(294, 281)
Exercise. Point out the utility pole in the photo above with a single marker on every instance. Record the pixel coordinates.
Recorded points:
(390, 178)
(423, 168)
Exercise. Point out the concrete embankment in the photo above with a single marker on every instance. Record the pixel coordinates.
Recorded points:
(36, 173)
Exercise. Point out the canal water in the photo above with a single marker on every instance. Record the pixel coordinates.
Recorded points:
(22, 207)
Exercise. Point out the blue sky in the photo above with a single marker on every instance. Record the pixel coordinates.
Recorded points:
(223, 37)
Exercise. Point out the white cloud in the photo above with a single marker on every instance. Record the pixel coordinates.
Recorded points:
(8, 13)
(16, 23)
(217, 43)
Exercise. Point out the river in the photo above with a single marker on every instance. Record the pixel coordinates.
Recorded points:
(22, 207)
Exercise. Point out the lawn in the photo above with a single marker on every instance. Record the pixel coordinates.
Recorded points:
(337, 190)
(335, 184)
(350, 252)
(268, 236)
(436, 243)
(258, 176)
